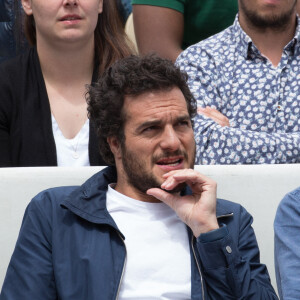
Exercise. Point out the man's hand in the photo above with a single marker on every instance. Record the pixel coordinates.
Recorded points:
(198, 210)
(214, 115)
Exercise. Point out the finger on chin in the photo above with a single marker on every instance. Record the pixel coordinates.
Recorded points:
(159, 194)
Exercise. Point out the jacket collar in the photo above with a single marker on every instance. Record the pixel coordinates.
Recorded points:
(89, 200)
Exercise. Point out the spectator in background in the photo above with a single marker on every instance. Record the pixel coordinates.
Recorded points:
(12, 37)
(43, 110)
(246, 81)
(167, 27)
(287, 246)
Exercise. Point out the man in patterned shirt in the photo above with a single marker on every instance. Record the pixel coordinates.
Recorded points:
(246, 80)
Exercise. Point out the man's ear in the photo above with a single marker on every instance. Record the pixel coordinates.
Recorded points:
(27, 7)
(115, 147)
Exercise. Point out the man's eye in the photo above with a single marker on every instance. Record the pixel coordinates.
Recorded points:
(150, 128)
(183, 123)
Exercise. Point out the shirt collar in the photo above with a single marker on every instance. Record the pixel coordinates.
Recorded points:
(241, 38)
(291, 46)
(247, 47)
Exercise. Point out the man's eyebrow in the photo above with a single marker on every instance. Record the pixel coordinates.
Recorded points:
(148, 124)
(159, 122)
(183, 118)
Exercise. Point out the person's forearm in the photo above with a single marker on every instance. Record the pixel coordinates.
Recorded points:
(233, 271)
(228, 145)
(158, 29)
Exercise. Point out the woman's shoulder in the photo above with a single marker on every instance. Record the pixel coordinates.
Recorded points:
(14, 68)
(17, 75)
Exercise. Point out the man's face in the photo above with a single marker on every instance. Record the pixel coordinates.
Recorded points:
(268, 13)
(158, 138)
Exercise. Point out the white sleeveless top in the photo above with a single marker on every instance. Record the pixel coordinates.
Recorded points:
(158, 262)
(72, 152)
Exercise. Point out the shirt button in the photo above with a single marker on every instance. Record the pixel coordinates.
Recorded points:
(279, 107)
(228, 249)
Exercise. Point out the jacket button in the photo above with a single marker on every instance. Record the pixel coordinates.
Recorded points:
(228, 249)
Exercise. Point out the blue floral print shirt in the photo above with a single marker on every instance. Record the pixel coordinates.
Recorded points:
(262, 102)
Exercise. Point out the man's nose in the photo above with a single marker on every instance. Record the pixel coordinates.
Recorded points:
(169, 139)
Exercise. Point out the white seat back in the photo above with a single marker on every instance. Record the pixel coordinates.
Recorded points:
(259, 188)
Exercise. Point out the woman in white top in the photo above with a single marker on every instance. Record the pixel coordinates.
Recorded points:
(43, 110)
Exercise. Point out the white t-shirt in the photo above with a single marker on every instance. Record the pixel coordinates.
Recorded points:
(72, 152)
(158, 262)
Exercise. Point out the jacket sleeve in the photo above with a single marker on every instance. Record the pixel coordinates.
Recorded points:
(230, 263)
(30, 272)
(232, 144)
(287, 246)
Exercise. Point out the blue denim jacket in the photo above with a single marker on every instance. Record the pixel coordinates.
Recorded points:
(69, 247)
(287, 246)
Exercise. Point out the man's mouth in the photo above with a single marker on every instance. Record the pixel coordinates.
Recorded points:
(171, 162)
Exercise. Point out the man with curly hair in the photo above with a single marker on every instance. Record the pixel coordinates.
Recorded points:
(147, 227)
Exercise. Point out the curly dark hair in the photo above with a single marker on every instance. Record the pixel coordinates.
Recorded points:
(130, 76)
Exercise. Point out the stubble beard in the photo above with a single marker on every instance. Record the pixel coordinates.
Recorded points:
(278, 22)
(140, 178)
